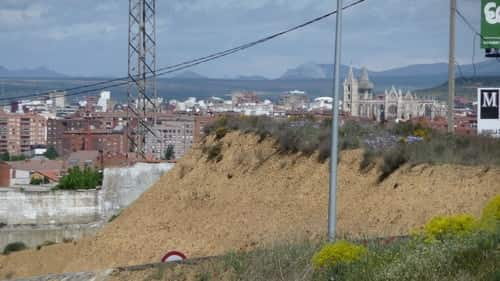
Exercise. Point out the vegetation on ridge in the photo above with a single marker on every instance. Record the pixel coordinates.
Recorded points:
(389, 142)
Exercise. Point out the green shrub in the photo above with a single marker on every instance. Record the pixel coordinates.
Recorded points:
(214, 152)
(39, 181)
(14, 247)
(440, 228)
(294, 135)
(45, 244)
(80, 179)
(368, 159)
(392, 161)
(490, 219)
(169, 153)
(403, 129)
(220, 133)
(51, 153)
(324, 148)
(339, 252)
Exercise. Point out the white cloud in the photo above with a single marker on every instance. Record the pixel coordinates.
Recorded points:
(93, 30)
(11, 18)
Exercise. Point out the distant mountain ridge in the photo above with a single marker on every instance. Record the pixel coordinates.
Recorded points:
(411, 77)
(188, 74)
(39, 72)
(325, 71)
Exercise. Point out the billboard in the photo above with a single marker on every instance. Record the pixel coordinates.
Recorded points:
(490, 24)
(488, 112)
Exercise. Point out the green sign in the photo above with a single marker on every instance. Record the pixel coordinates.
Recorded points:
(490, 24)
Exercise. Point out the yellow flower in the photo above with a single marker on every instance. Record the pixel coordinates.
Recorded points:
(490, 219)
(339, 252)
(440, 227)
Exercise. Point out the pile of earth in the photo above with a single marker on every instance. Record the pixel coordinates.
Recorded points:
(255, 196)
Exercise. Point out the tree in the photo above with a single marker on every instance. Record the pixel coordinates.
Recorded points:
(170, 153)
(5, 156)
(17, 157)
(77, 178)
(51, 153)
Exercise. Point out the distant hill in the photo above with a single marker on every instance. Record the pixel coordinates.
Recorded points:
(464, 87)
(251, 77)
(325, 71)
(39, 72)
(189, 75)
(412, 77)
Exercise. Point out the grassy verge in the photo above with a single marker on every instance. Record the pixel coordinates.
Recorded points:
(470, 258)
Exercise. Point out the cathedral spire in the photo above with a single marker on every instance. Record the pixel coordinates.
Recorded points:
(350, 75)
(364, 81)
(364, 74)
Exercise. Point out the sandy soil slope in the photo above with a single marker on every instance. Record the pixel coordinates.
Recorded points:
(255, 196)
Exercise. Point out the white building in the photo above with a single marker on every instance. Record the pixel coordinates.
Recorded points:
(104, 101)
(57, 99)
(321, 104)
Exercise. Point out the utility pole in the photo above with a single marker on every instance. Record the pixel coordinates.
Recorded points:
(451, 68)
(332, 204)
(142, 95)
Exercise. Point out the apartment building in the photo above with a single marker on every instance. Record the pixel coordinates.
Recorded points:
(56, 128)
(18, 132)
(111, 142)
(171, 130)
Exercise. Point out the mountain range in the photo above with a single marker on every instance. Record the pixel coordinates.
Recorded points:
(39, 72)
(325, 71)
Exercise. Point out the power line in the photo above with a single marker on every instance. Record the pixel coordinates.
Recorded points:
(474, 54)
(190, 63)
(476, 33)
(468, 23)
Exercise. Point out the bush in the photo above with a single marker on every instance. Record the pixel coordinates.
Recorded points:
(80, 179)
(220, 133)
(214, 152)
(293, 135)
(393, 160)
(39, 181)
(440, 228)
(51, 153)
(14, 247)
(368, 159)
(45, 244)
(339, 252)
(169, 153)
(403, 129)
(490, 219)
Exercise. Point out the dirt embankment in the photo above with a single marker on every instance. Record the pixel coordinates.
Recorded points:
(255, 196)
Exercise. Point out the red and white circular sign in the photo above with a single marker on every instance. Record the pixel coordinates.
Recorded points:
(173, 256)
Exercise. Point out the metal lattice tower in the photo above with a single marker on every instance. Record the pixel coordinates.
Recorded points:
(142, 95)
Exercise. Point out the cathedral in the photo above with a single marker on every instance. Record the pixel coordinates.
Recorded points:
(359, 101)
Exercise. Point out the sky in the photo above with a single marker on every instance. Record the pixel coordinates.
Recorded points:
(89, 37)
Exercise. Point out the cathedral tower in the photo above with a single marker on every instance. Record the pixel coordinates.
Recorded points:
(351, 94)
